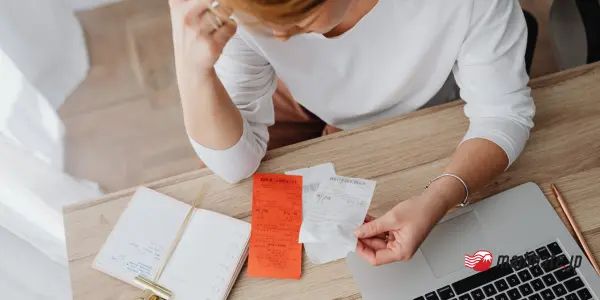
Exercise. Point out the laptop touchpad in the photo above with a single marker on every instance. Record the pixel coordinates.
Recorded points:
(446, 246)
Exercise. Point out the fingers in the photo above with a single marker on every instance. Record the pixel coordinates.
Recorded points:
(224, 34)
(201, 15)
(375, 227)
(386, 256)
(374, 243)
(222, 12)
(202, 20)
(377, 256)
(365, 252)
(391, 237)
(369, 218)
(211, 25)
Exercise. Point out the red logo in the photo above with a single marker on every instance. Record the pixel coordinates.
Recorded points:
(480, 261)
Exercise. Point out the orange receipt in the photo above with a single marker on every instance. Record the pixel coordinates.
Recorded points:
(276, 219)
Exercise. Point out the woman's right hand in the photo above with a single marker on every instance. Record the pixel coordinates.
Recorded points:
(198, 39)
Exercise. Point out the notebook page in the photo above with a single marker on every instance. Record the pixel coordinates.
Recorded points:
(142, 236)
(208, 257)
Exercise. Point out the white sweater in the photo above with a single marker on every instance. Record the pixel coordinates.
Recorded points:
(391, 63)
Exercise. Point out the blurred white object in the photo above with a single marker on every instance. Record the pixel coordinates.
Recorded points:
(30, 275)
(89, 4)
(43, 57)
(32, 195)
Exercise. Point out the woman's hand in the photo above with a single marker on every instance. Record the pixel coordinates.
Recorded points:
(199, 36)
(398, 234)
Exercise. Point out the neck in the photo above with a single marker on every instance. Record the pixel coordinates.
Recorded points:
(357, 11)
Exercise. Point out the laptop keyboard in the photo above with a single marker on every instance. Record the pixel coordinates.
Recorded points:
(543, 274)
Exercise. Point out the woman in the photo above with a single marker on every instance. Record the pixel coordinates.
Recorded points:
(350, 63)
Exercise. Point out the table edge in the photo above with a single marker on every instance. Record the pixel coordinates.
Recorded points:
(536, 83)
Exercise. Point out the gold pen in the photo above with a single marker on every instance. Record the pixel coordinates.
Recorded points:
(152, 290)
(582, 241)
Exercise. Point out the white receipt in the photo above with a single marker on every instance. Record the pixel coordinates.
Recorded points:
(312, 177)
(337, 208)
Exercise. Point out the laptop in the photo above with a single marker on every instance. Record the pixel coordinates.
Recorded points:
(510, 246)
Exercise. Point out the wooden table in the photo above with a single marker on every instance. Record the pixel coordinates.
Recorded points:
(401, 154)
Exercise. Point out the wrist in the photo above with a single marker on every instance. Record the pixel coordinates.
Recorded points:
(206, 73)
(448, 191)
(192, 81)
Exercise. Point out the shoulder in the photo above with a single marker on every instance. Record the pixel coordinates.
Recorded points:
(489, 9)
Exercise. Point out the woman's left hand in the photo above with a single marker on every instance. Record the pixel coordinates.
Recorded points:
(398, 234)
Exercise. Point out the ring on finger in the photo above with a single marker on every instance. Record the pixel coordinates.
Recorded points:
(215, 21)
(219, 22)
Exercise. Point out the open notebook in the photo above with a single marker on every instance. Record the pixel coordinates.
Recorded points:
(206, 262)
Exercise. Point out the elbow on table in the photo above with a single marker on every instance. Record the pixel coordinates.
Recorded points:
(234, 164)
(236, 173)
(232, 169)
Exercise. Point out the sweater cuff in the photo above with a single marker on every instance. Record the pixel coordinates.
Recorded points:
(508, 135)
(235, 163)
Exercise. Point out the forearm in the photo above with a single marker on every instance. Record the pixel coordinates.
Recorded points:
(491, 74)
(211, 118)
(476, 161)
